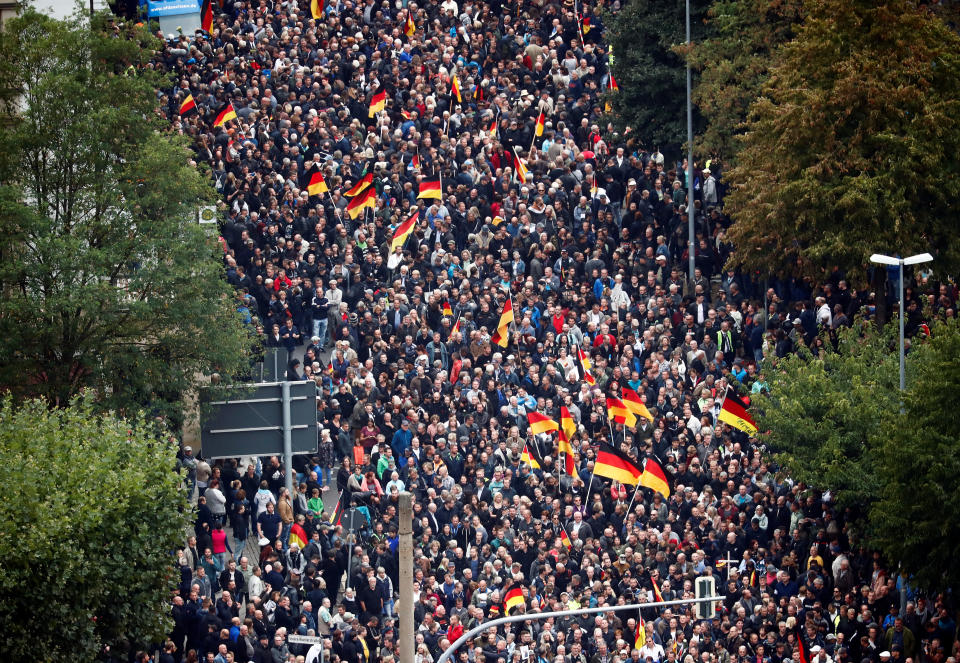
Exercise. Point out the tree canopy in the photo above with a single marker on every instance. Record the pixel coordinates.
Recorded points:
(651, 74)
(88, 528)
(834, 423)
(108, 281)
(854, 146)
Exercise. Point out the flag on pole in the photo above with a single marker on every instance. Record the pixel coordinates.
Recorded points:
(657, 596)
(478, 92)
(430, 189)
(567, 424)
(541, 423)
(206, 16)
(733, 411)
(541, 121)
(337, 514)
(502, 336)
(640, 638)
(456, 327)
(316, 185)
(316, 8)
(361, 202)
(565, 538)
(529, 458)
(188, 105)
(360, 186)
(378, 102)
(585, 367)
(563, 447)
(614, 464)
(635, 404)
(655, 478)
(522, 171)
(513, 599)
(455, 89)
(447, 310)
(409, 27)
(298, 536)
(403, 231)
(225, 115)
(618, 412)
(612, 84)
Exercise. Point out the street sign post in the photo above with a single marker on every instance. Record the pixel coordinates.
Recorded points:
(706, 587)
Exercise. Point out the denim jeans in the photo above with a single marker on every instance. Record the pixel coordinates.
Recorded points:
(320, 329)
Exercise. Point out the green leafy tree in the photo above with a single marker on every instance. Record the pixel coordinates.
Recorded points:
(88, 525)
(108, 282)
(650, 72)
(854, 146)
(734, 64)
(822, 415)
(914, 519)
(835, 422)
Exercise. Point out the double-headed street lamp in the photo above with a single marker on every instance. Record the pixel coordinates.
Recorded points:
(881, 259)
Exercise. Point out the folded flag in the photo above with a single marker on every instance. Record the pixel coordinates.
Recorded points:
(541, 423)
(640, 639)
(618, 412)
(430, 189)
(541, 121)
(225, 115)
(409, 27)
(614, 464)
(585, 367)
(635, 404)
(403, 231)
(655, 478)
(455, 89)
(733, 411)
(188, 106)
(529, 458)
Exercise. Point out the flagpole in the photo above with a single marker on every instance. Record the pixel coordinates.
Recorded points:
(636, 489)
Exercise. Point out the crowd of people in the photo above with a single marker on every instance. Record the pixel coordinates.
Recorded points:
(581, 231)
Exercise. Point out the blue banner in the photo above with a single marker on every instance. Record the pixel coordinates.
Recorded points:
(172, 7)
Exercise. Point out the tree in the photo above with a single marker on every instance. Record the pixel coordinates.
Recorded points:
(822, 415)
(914, 520)
(107, 280)
(835, 422)
(651, 75)
(734, 64)
(855, 145)
(88, 524)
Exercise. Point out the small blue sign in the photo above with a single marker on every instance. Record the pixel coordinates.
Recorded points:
(172, 7)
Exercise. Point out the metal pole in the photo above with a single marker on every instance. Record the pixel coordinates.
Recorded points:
(903, 376)
(349, 558)
(405, 610)
(690, 205)
(445, 656)
(287, 437)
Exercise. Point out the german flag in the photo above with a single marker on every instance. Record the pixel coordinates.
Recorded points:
(478, 92)
(541, 121)
(502, 336)
(430, 189)
(409, 28)
(541, 423)
(655, 478)
(455, 89)
(378, 102)
(513, 599)
(563, 447)
(358, 188)
(586, 25)
(529, 458)
(298, 536)
(522, 171)
(612, 84)
(640, 638)
(635, 404)
(657, 596)
(802, 649)
(403, 231)
(492, 130)
(225, 115)
(337, 514)
(188, 106)
(565, 538)
(585, 366)
(617, 411)
(456, 327)
(567, 424)
(447, 310)
(415, 161)
(616, 465)
(316, 185)
(366, 199)
(733, 411)
(206, 16)
(316, 9)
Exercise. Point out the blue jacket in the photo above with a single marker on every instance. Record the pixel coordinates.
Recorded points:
(401, 441)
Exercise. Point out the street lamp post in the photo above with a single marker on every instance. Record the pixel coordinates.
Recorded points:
(881, 259)
(690, 206)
